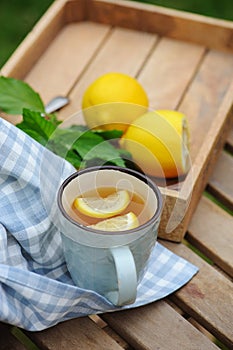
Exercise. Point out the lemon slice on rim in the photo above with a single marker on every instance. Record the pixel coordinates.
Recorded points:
(103, 207)
(118, 223)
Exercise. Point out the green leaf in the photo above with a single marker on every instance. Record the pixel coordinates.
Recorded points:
(74, 159)
(92, 146)
(16, 95)
(83, 147)
(78, 145)
(36, 126)
(109, 134)
(53, 119)
(62, 140)
(100, 162)
(86, 143)
(80, 128)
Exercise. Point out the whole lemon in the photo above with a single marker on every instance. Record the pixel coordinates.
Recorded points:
(113, 100)
(159, 143)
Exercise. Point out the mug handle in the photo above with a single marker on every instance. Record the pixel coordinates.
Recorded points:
(126, 277)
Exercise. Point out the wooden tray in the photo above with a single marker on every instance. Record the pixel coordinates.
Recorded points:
(184, 62)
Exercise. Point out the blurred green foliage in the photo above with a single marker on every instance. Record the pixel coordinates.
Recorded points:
(17, 17)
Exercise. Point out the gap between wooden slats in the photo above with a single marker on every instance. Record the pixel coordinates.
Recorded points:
(209, 300)
(157, 326)
(229, 144)
(123, 51)
(210, 230)
(220, 183)
(7, 339)
(79, 333)
(64, 61)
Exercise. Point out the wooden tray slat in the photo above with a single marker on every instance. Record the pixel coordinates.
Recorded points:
(168, 72)
(205, 96)
(208, 300)
(124, 51)
(66, 58)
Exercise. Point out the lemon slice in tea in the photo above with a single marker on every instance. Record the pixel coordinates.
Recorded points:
(118, 223)
(103, 207)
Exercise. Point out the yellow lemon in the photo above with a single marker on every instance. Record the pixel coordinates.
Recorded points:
(159, 143)
(103, 207)
(113, 100)
(118, 223)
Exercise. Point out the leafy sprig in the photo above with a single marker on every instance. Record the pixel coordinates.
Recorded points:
(77, 144)
(15, 95)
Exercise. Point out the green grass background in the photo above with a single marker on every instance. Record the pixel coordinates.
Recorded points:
(17, 17)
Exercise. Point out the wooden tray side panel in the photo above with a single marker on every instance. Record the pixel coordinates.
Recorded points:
(209, 152)
(181, 207)
(75, 11)
(198, 29)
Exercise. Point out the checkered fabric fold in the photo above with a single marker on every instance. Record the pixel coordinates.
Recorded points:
(36, 290)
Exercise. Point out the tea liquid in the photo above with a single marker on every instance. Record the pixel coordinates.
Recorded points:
(136, 205)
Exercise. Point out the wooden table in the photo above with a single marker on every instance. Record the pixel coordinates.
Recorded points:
(199, 315)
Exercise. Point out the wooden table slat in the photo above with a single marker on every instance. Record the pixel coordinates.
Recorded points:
(157, 326)
(76, 334)
(210, 230)
(208, 297)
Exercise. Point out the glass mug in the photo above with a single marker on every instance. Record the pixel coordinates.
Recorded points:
(109, 263)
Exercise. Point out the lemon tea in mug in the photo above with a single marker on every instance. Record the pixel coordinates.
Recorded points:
(109, 218)
(110, 209)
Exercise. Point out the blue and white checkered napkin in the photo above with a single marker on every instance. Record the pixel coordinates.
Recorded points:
(36, 290)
